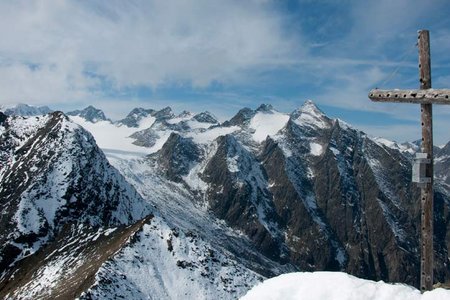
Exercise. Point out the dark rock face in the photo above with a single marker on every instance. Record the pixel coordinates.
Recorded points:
(90, 114)
(205, 117)
(133, 118)
(145, 138)
(177, 155)
(238, 194)
(2, 118)
(442, 163)
(243, 116)
(265, 108)
(165, 113)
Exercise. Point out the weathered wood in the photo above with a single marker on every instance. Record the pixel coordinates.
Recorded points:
(424, 96)
(423, 44)
(427, 253)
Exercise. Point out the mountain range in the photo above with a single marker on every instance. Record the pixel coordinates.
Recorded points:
(162, 205)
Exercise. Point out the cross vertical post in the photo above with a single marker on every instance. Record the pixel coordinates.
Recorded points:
(423, 162)
(426, 193)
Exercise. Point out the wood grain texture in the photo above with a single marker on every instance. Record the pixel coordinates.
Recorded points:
(427, 251)
(428, 96)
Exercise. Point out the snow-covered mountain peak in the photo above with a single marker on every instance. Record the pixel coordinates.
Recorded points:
(241, 118)
(309, 107)
(165, 113)
(135, 116)
(27, 110)
(310, 115)
(205, 117)
(265, 108)
(90, 114)
(445, 148)
(406, 148)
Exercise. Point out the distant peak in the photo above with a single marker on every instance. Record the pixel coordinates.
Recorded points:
(140, 111)
(309, 107)
(310, 115)
(310, 104)
(264, 108)
(166, 109)
(243, 116)
(90, 114)
(136, 115)
(206, 117)
(22, 109)
(165, 113)
(184, 114)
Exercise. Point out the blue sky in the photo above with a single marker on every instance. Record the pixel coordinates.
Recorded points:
(224, 55)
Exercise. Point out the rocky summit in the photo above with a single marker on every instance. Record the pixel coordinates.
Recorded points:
(183, 206)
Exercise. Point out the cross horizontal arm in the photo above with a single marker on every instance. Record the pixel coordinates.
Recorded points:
(428, 96)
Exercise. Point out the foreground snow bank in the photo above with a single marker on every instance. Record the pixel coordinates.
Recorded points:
(336, 286)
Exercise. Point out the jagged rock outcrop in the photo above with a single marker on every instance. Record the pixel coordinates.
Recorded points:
(205, 117)
(90, 114)
(135, 116)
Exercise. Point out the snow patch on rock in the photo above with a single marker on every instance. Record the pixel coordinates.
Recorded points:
(316, 149)
(267, 124)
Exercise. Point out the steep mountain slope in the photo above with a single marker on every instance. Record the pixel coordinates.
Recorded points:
(316, 193)
(135, 116)
(442, 164)
(53, 174)
(70, 222)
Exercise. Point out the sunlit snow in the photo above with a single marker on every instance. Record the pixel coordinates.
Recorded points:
(267, 123)
(316, 149)
(309, 115)
(336, 286)
(210, 135)
(116, 137)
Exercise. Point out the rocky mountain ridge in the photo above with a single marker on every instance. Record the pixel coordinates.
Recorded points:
(26, 110)
(278, 192)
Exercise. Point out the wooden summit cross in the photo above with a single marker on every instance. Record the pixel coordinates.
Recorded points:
(423, 162)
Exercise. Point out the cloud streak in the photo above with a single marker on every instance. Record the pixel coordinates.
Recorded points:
(135, 43)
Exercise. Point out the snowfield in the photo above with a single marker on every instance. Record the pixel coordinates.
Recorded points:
(336, 286)
(267, 124)
(112, 136)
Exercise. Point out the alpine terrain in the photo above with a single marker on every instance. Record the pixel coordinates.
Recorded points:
(161, 205)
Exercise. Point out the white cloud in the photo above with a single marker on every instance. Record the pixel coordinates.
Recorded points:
(62, 53)
(133, 43)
